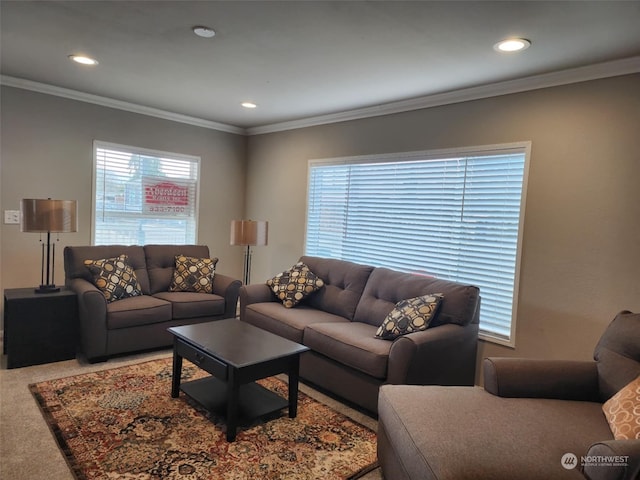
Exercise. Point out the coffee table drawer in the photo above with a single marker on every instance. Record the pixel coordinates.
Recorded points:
(202, 360)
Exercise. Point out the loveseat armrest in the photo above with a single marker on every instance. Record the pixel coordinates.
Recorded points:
(229, 288)
(537, 378)
(442, 355)
(254, 293)
(92, 313)
(623, 454)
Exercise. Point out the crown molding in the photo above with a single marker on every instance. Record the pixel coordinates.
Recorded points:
(563, 77)
(118, 104)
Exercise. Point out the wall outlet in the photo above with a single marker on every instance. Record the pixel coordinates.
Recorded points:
(12, 217)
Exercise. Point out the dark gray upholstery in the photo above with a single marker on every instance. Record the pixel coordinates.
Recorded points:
(139, 323)
(339, 322)
(618, 354)
(529, 414)
(343, 285)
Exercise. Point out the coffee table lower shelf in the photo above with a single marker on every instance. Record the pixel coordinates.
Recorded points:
(255, 400)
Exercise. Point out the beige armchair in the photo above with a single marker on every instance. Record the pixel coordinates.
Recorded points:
(534, 419)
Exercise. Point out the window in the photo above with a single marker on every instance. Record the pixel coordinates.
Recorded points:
(144, 196)
(455, 215)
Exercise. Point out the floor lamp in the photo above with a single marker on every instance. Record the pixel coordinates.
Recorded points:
(249, 233)
(48, 216)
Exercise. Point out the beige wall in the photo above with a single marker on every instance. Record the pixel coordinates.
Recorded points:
(47, 151)
(581, 246)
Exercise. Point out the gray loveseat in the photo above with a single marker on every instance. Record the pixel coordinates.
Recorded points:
(534, 420)
(338, 323)
(141, 322)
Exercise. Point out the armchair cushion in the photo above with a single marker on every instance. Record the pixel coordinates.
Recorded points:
(115, 278)
(193, 274)
(623, 412)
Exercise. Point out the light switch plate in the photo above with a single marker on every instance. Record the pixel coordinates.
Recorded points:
(12, 216)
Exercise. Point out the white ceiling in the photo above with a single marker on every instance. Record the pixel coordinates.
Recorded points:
(300, 59)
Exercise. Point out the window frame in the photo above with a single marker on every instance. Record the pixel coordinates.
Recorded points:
(130, 149)
(523, 147)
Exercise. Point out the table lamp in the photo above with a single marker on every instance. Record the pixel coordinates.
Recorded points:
(48, 216)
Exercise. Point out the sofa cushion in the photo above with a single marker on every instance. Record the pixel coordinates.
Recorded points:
(387, 287)
(135, 311)
(114, 277)
(352, 344)
(410, 315)
(286, 322)
(193, 274)
(294, 285)
(161, 262)
(74, 258)
(193, 304)
(464, 433)
(344, 282)
(618, 354)
(623, 412)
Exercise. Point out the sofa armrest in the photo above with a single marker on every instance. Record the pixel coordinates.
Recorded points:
(255, 293)
(92, 313)
(536, 378)
(443, 355)
(624, 454)
(229, 288)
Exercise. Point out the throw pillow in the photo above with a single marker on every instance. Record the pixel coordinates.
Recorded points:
(193, 274)
(410, 315)
(114, 277)
(294, 285)
(623, 412)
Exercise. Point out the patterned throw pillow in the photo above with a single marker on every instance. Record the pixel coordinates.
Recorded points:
(193, 274)
(114, 277)
(294, 285)
(410, 315)
(623, 412)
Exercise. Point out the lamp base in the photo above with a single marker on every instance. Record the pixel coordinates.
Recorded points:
(47, 289)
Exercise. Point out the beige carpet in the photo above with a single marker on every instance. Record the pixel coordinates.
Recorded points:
(28, 450)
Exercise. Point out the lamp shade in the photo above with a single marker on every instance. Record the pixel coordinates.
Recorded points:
(249, 232)
(46, 215)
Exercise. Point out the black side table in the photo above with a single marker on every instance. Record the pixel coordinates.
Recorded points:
(39, 327)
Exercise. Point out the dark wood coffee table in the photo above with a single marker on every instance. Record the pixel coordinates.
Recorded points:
(236, 354)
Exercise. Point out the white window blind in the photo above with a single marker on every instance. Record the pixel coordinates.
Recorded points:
(447, 215)
(144, 196)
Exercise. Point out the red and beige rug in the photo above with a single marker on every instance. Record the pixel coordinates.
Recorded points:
(123, 424)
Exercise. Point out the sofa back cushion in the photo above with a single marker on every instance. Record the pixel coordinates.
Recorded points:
(74, 258)
(386, 287)
(344, 283)
(161, 262)
(618, 354)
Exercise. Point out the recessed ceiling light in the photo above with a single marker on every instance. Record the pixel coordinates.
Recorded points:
(249, 105)
(83, 59)
(204, 32)
(512, 45)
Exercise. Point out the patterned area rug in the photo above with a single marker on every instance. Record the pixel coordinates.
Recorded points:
(123, 424)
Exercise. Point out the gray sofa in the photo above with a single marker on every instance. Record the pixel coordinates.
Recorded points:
(530, 414)
(338, 324)
(141, 322)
